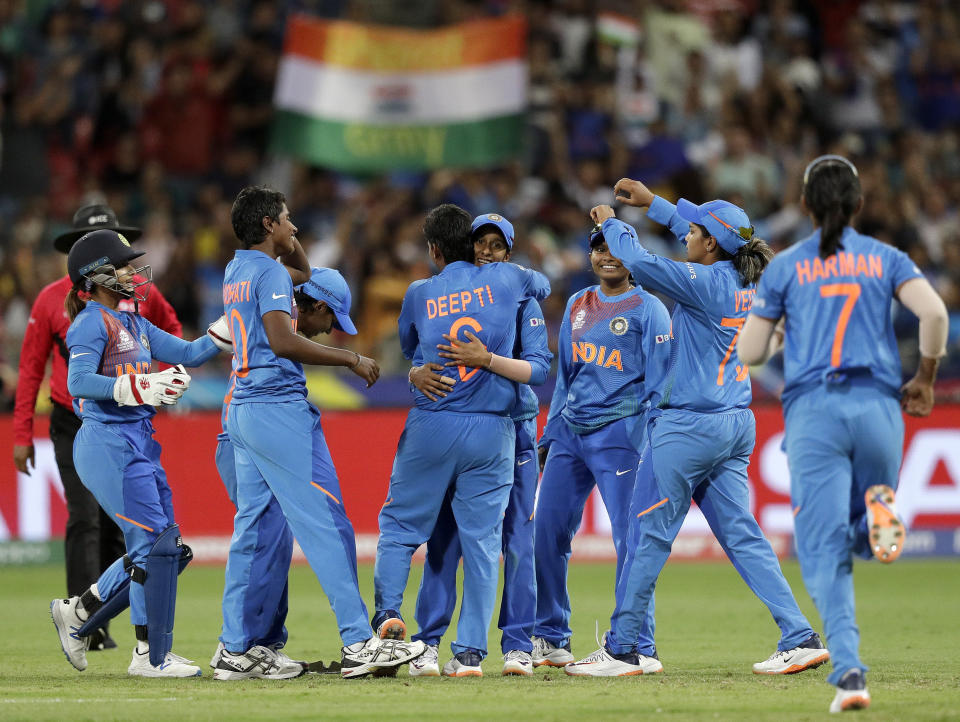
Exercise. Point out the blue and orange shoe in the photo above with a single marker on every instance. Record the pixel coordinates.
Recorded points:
(388, 624)
(885, 529)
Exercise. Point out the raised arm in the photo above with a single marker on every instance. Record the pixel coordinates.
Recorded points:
(297, 264)
(687, 283)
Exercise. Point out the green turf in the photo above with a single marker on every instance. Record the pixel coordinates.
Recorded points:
(710, 630)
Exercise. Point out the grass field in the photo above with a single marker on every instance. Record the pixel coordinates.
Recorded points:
(710, 630)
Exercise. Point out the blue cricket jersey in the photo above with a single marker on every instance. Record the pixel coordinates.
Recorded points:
(705, 372)
(482, 299)
(255, 284)
(838, 309)
(105, 344)
(612, 357)
(531, 346)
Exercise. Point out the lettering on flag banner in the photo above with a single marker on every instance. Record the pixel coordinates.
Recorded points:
(371, 98)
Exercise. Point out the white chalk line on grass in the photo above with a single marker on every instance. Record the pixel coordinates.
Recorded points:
(58, 700)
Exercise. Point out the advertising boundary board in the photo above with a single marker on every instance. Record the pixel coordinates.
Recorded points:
(363, 444)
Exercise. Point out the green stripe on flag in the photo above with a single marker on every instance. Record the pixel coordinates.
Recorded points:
(369, 148)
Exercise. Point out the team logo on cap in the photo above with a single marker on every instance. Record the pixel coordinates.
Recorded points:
(494, 217)
(97, 220)
(619, 326)
(123, 240)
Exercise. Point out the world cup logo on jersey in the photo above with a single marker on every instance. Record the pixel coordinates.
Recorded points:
(579, 319)
(619, 326)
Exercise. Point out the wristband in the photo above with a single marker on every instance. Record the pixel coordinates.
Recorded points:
(357, 362)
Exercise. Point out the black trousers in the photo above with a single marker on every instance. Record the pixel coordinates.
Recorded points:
(93, 541)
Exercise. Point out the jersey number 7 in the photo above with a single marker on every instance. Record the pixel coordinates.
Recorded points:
(852, 293)
(742, 370)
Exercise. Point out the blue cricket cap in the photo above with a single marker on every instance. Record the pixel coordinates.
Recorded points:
(728, 223)
(495, 219)
(329, 286)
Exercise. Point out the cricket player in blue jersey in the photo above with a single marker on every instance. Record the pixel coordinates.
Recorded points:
(266, 614)
(116, 456)
(613, 354)
(701, 437)
(279, 449)
(842, 397)
(462, 443)
(492, 243)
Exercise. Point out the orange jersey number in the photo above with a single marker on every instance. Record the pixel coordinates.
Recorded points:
(852, 293)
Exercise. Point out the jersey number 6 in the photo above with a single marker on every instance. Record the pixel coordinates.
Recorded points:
(475, 326)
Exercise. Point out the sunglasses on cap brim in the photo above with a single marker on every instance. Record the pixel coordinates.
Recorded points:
(829, 158)
(745, 233)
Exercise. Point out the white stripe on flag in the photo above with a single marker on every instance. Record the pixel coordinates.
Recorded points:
(460, 95)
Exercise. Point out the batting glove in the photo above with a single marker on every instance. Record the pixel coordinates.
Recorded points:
(164, 388)
(219, 333)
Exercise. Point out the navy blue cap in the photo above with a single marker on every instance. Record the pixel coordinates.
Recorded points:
(329, 286)
(99, 248)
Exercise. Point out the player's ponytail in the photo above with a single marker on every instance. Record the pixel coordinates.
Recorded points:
(751, 259)
(831, 191)
(73, 303)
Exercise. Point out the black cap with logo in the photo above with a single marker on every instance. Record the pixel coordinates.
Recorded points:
(91, 218)
(99, 248)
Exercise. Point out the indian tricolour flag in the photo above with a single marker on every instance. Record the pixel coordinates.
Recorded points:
(372, 98)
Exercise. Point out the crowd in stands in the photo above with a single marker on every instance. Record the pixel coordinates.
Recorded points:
(162, 109)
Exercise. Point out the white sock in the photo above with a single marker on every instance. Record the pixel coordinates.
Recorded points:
(142, 647)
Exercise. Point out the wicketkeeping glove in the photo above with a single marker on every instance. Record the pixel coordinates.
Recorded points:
(163, 388)
(219, 333)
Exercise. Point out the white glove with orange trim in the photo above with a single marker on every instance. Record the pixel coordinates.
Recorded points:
(219, 333)
(160, 389)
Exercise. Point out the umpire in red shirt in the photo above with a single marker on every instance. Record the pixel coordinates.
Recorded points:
(92, 539)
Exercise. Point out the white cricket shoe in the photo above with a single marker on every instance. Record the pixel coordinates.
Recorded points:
(427, 664)
(258, 662)
(851, 692)
(464, 664)
(173, 665)
(809, 654)
(68, 623)
(548, 654)
(517, 662)
(216, 655)
(604, 664)
(363, 658)
(282, 656)
(884, 526)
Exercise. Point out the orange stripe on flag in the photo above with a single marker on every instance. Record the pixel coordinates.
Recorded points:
(135, 523)
(385, 49)
(313, 483)
(651, 508)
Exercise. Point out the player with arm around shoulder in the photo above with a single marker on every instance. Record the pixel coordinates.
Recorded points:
(831, 294)
(462, 442)
(613, 353)
(115, 453)
(318, 300)
(493, 237)
(279, 449)
(703, 432)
